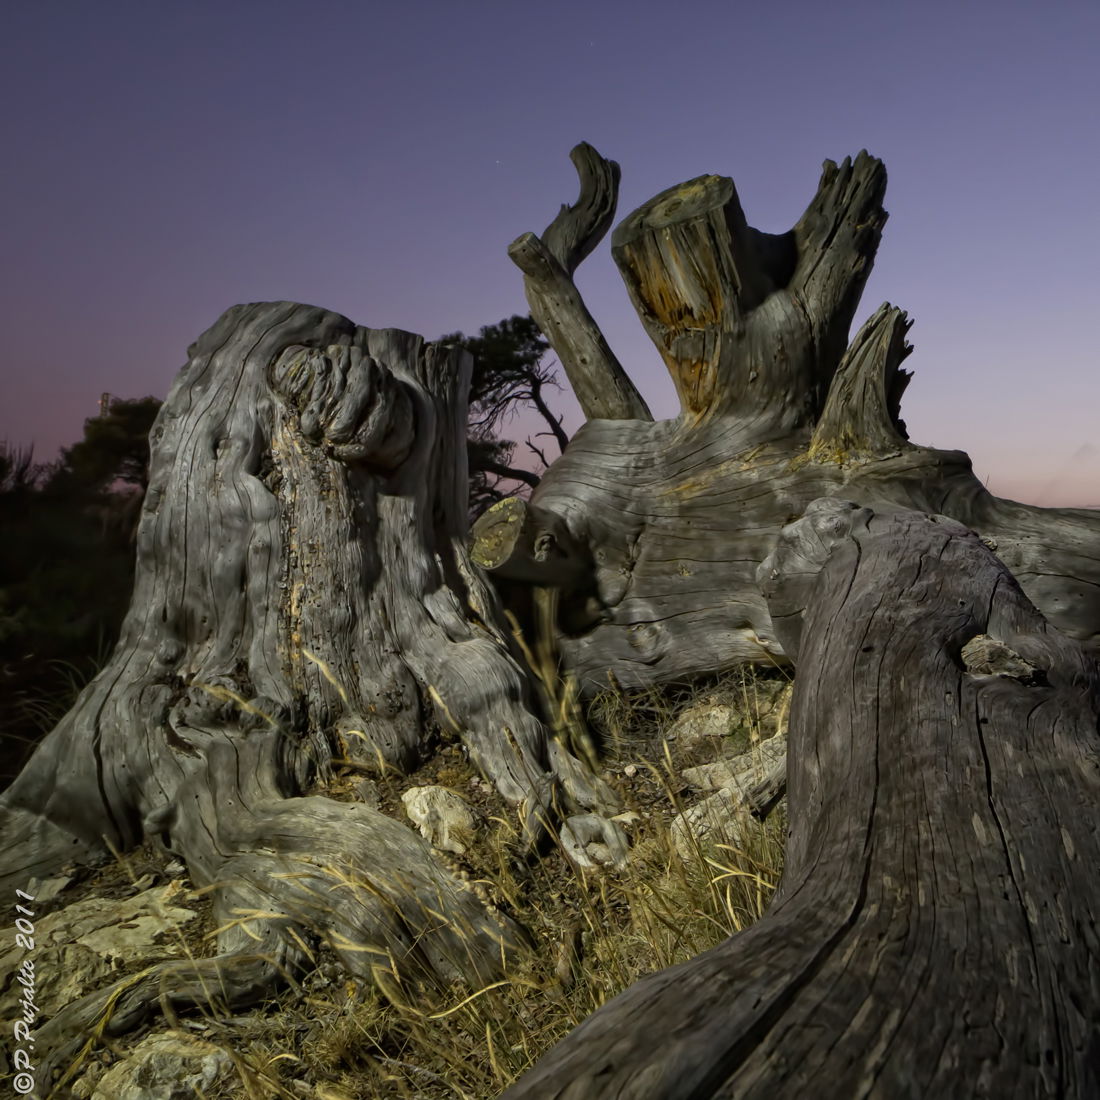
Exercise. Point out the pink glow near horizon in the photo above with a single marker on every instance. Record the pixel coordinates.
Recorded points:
(168, 162)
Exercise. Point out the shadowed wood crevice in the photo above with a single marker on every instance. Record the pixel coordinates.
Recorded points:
(934, 933)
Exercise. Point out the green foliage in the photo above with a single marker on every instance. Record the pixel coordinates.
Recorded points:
(510, 374)
(115, 447)
(66, 572)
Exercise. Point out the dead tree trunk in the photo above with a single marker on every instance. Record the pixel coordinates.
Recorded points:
(653, 531)
(303, 596)
(935, 932)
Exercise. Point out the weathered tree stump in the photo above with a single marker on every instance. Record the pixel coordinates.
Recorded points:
(935, 931)
(303, 597)
(653, 531)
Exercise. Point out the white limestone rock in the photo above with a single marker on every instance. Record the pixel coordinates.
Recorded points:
(590, 841)
(739, 773)
(723, 818)
(83, 945)
(702, 722)
(168, 1067)
(443, 817)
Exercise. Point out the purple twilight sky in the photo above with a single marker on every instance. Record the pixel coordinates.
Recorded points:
(165, 161)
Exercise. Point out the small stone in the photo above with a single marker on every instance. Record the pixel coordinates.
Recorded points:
(443, 817)
(590, 840)
(168, 1067)
(739, 773)
(630, 771)
(702, 722)
(601, 853)
(984, 655)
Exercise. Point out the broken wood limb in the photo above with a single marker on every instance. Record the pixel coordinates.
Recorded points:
(578, 228)
(862, 411)
(519, 541)
(602, 387)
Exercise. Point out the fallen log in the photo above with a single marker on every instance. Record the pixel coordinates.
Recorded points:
(936, 931)
(652, 531)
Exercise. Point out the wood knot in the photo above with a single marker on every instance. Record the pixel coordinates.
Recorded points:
(984, 655)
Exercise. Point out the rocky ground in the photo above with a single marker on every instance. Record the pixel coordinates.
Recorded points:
(682, 866)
